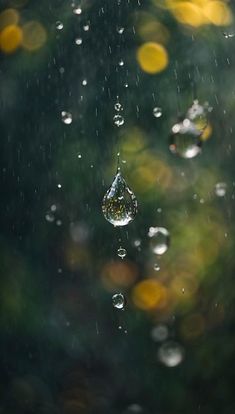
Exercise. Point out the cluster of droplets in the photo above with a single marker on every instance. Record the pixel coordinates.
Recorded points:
(118, 118)
(187, 136)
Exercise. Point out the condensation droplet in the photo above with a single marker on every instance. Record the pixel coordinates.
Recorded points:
(157, 112)
(185, 140)
(171, 354)
(66, 117)
(118, 301)
(159, 333)
(59, 25)
(118, 120)
(119, 203)
(159, 239)
(220, 189)
(78, 41)
(121, 252)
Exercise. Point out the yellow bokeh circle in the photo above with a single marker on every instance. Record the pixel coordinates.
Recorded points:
(152, 57)
(34, 35)
(10, 38)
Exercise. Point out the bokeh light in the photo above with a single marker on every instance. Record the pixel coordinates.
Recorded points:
(152, 57)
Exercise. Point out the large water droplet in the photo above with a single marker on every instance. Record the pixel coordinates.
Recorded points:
(157, 112)
(119, 203)
(171, 354)
(159, 239)
(66, 117)
(185, 140)
(220, 189)
(197, 114)
(118, 301)
(121, 252)
(118, 120)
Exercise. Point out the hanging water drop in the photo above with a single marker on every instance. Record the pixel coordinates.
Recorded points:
(185, 140)
(118, 120)
(119, 203)
(78, 41)
(121, 252)
(157, 112)
(66, 117)
(171, 354)
(118, 301)
(159, 239)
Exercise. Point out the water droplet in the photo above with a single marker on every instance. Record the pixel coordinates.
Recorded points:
(157, 112)
(137, 243)
(228, 35)
(59, 25)
(121, 62)
(126, 85)
(120, 29)
(118, 120)
(159, 333)
(160, 239)
(59, 185)
(118, 301)
(197, 114)
(220, 189)
(121, 252)
(86, 27)
(49, 217)
(185, 140)
(77, 10)
(183, 290)
(79, 156)
(119, 203)
(78, 41)
(53, 207)
(118, 107)
(66, 117)
(58, 222)
(159, 210)
(84, 82)
(171, 354)
(156, 267)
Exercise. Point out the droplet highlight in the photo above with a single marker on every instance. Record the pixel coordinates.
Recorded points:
(159, 240)
(157, 112)
(121, 252)
(118, 300)
(185, 140)
(66, 117)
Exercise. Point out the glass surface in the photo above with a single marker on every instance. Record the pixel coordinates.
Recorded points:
(117, 112)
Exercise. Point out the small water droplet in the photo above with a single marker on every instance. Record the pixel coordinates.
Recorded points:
(159, 333)
(197, 115)
(66, 117)
(159, 239)
(159, 210)
(118, 301)
(118, 120)
(171, 354)
(137, 243)
(183, 290)
(53, 207)
(157, 112)
(79, 156)
(228, 35)
(77, 10)
(119, 203)
(185, 140)
(120, 29)
(126, 85)
(156, 267)
(49, 217)
(121, 252)
(121, 62)
(86, 27)
(59, 25)
(58, 222)
(118, 107)
(59, 185)
(220, 189)
(78, 41)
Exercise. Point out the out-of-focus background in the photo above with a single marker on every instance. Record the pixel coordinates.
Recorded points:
(80, 82)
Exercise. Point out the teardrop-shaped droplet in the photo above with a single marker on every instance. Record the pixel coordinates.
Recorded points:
(198, 115)
(185, 140)
(119, 203)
